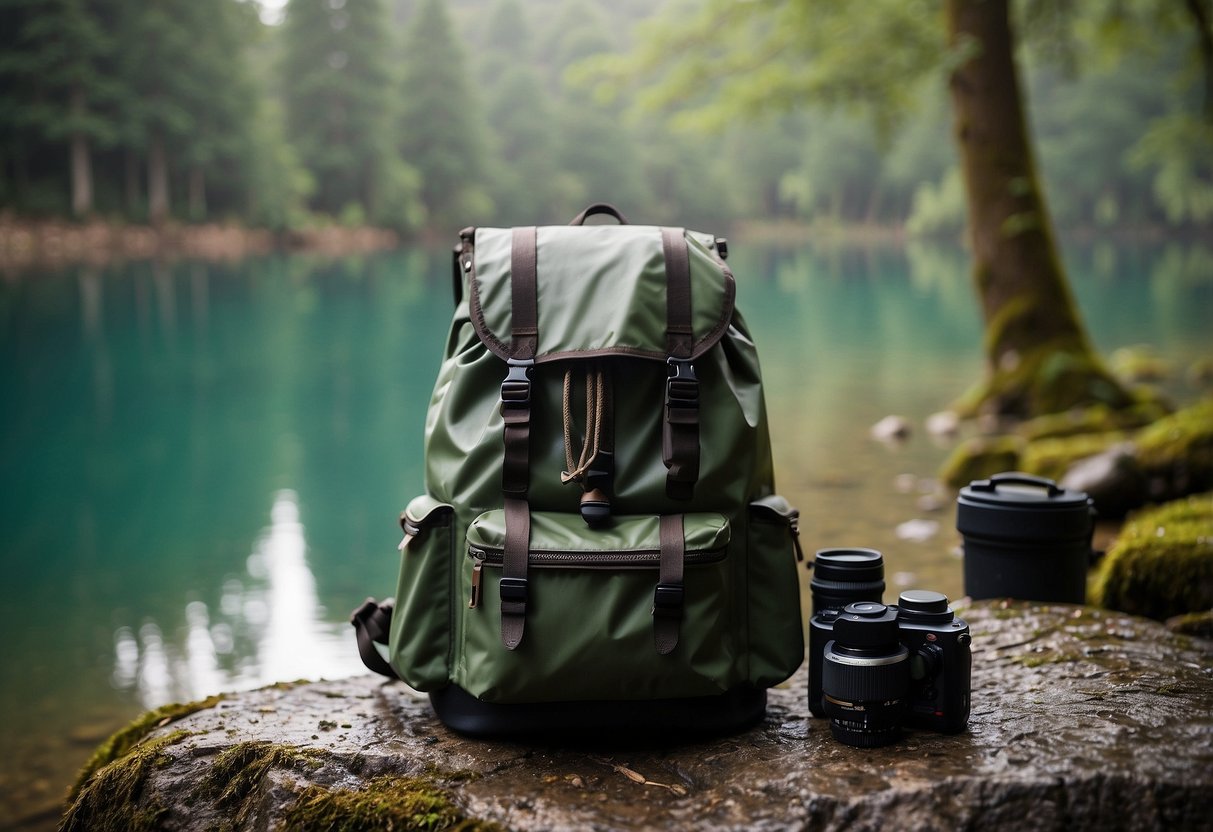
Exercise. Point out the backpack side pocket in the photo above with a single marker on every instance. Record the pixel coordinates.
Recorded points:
(775, 626)
(420, 640)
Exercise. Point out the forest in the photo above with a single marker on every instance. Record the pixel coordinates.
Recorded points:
(424, 116)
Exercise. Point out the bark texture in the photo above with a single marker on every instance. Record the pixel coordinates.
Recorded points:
(1038, 355)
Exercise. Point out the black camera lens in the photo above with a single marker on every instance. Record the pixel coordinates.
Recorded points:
(865, 676)
(841, 576)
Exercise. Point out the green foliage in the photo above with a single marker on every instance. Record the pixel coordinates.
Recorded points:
(337, 89)
(938, 207)
(437, 114)
(440, 133)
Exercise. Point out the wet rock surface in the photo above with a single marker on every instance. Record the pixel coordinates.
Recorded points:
(1081, 719)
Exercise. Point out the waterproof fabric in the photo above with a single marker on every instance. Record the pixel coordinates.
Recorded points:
(589, 623)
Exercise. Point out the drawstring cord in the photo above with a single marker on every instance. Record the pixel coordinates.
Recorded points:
(595, 404)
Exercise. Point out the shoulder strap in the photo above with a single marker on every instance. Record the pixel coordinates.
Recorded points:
(680, 431)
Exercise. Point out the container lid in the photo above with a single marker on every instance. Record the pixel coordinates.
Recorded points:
(925, 606)
(1020, 505)
(1016, 489)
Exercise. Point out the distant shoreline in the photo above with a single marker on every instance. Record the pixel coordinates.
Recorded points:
(32, 243)
(28, 243)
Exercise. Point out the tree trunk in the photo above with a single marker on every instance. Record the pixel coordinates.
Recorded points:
(131, 183)
(197, 196)
(81, 161)
(1204, 40)
(1038, 357)
(157, 181)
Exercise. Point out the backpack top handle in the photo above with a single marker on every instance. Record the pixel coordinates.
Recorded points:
(599, 208)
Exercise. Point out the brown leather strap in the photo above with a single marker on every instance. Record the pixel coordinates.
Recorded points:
(679, 337)
(514, 591)
(680, 431)
(516, 415)
(524, 309)
(668, 599)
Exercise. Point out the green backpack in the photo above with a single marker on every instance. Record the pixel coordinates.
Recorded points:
(600, 545)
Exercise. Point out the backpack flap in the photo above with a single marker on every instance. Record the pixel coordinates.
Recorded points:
(600, 290)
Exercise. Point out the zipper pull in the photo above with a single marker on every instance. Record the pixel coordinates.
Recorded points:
(404, 542)
(475, 599)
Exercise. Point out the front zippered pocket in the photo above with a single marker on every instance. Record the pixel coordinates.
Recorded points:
(539, 559)
(590, 617)
(562, 541)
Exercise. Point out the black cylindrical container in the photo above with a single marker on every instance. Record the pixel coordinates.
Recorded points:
(1024, 537)
(840, 577)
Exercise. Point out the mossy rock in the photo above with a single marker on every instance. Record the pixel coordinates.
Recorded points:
(1139, 363)
(1199, 624)
(1095, 419)
(1180, 448)
(1161, 566)
(1054, 456)
(121, 743)
(980, 458)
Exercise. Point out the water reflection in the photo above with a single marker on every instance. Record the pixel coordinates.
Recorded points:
(269, 626)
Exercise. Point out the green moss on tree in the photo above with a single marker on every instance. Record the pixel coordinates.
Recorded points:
(387, 803)
(111, 799)
(124, 740)
(1047, 378)
(1162, 563)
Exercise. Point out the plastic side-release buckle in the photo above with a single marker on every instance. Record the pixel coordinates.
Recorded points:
(516, 390)
(681, 392)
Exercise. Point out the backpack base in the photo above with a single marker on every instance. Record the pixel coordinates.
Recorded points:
(613, 720)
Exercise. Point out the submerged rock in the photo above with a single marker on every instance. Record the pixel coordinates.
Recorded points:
(891, 429)
(1081, 719)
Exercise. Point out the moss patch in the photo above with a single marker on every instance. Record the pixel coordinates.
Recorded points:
(980, 458)
(1047, 378)
(110, 800)
(395, 803)
(1094, 419)
(1162, 563)
(1181, 445)
(234, 779)
(1052, 457)
(124, 740)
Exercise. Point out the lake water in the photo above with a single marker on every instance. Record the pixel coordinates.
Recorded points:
(202, 464)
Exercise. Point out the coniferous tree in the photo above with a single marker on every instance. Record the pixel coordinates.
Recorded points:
(338, 98)
(56, 87)
(441, 133)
